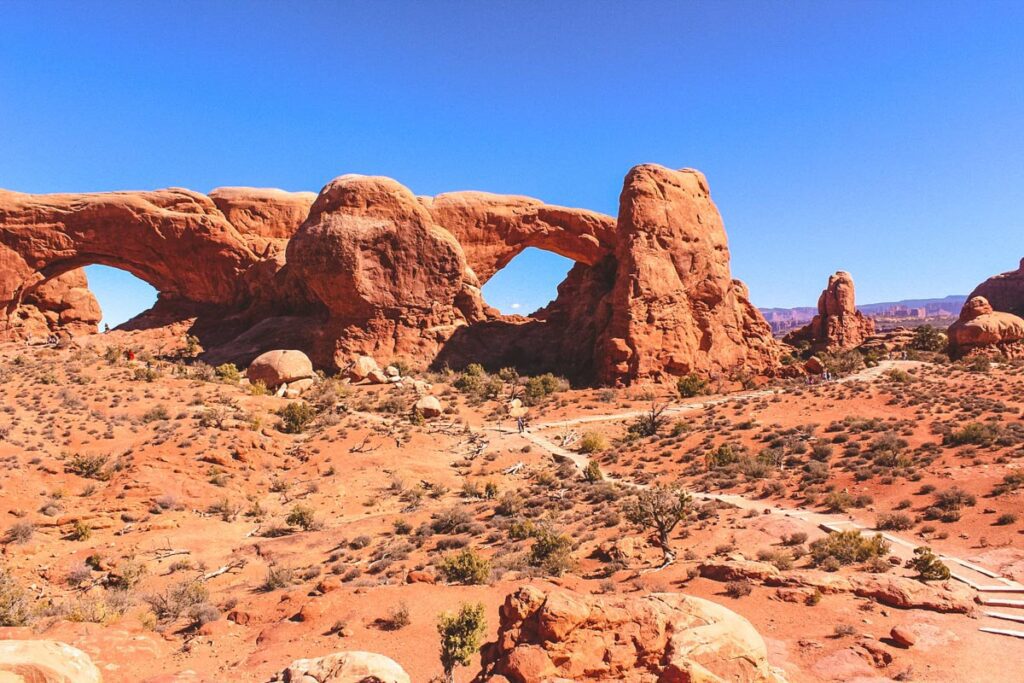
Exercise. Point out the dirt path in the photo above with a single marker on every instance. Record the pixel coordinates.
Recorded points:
(1002, 592)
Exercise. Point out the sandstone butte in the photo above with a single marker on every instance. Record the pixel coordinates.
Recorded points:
(838, 326)
(366, 267)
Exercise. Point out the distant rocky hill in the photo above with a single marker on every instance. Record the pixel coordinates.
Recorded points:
(784, 319)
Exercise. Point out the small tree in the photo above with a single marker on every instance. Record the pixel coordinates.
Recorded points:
(460, 636)
(660, 509)
(650, 422)
(927, 338)
(928, 566)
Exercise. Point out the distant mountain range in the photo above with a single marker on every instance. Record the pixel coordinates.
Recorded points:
(782, 319)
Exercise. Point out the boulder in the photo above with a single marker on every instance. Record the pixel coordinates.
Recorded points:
(275, 368)
(981, 328)
(907, 593)
(428, 406)
(361, 368)
(45, 661)
(735, 570)
(838, 326)
(563, 635)
(903, 635)
(344, 667)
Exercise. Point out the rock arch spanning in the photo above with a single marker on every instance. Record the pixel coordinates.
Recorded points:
(365, 266)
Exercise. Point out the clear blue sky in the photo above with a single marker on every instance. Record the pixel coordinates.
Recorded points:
(882, 138)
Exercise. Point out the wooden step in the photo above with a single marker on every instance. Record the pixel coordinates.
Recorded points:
(1004, 615)
(1002, 602)
(1003, 632)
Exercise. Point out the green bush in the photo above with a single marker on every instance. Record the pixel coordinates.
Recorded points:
(228, 373)
(551, 551)
(303, 517)
(927, 338)
(295, 417)
(592, 442)
(593, 472)
(461, 634)
(691, 385)
(466, 567)
(928, 566)
(88, 466)
(847, 547)
(540, 387)
(894, 521)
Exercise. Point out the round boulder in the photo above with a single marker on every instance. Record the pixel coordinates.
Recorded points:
(45, 661)
(275, 368)
(345, 667)
(428, 406)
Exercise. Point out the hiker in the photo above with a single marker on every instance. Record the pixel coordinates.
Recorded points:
(521, 424)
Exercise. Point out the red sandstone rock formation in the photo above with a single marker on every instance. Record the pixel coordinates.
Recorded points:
(838, 325)
(675, 308)
(368, 268)
(982, 329)
(61, 304)
(1005, 292)
(664, 636)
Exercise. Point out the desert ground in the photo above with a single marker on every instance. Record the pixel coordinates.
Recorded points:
(176, 523)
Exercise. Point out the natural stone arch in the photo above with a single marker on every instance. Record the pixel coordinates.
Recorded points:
(493, 229)
(174, 239)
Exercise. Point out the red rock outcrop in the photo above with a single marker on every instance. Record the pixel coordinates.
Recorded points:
(61, 304)
(675, 308)
(838, 326)
(368, 268)
(981, 329)
(1005, 292)
(667, 637)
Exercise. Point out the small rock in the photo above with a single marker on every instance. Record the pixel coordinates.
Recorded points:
(903, 636)
(428, 406)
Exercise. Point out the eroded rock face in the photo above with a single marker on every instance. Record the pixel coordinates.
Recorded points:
(1005, 292)
(62, 304)
(45, 661)
(367, 268)
(981, 329)
(838, 326)
(665, 637)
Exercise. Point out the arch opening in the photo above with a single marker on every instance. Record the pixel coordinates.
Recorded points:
(121, 295)
(528, 282)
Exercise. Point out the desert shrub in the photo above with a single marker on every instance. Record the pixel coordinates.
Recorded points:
(228, 373)
(551, 551)
(538, 388)
(691, 385)
(848, 547)
(88, 466)
(838, 501)
(451, 521)
(466, 567)
(20, 532)
(593, 473)
(928, 566)
(592, 442)
(461, 634)
(396, 619)
(278, 576)
(155, 414)
(795, 538)
(295, 417)
(842, 362)
(1006, 518)
(177, 599)
(302, 516)
(894, 521)
(781, 559)
(15, 604)
(509, 505)
(738, 589)
(973, 433)
(954, 499)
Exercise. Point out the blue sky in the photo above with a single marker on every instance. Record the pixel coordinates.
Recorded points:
(881, 138)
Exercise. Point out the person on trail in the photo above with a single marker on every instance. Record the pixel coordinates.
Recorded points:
(521, 424)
